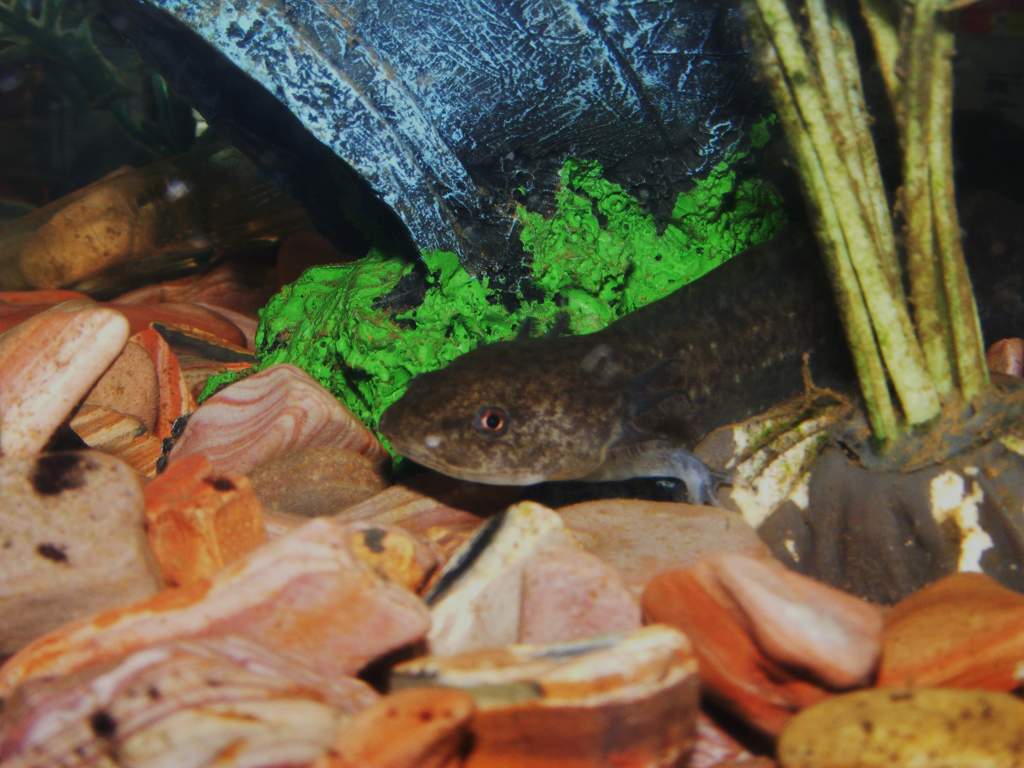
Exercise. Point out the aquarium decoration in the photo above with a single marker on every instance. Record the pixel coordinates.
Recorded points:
(455, 118)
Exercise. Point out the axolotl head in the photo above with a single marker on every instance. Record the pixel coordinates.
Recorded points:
(512, 413)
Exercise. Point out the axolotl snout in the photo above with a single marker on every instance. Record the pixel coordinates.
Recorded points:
(630, 400)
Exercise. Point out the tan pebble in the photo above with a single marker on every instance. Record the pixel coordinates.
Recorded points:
(96, 230)
(644, 538)
(924, 728)
(47, 365)
(129, 386)
(316, 481)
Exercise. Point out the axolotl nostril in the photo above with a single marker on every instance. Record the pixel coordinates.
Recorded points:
(630, 400)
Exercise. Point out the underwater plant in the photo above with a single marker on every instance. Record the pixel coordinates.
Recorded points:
(932, 353)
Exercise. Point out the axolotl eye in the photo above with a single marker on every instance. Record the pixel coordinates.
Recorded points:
(491, 420)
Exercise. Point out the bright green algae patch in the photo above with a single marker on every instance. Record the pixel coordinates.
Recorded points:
(599, 257)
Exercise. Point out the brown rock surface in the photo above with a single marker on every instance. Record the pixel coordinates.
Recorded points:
(316, 481)
(643, 538)
(129, 386)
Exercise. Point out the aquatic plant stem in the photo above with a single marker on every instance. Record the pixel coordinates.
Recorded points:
(914, 117)
(881, 412)
(883, 19)
(877, 201)
(885, 302)
(968, 344)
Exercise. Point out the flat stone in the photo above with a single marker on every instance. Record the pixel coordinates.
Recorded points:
(520, 570)
(963, 631)
(316, 481)
(643, 538)
(199, 520)
(47, 365)
(182, 704)
(269, 414)
(72, 541)
(925, 728)
(415, 728)
(769, 641)
(304, 593)
(628, 699)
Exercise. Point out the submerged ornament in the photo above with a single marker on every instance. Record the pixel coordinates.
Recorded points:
(453, 112)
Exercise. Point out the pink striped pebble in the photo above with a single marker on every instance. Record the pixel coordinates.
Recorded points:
(268, 414)
(47, 365)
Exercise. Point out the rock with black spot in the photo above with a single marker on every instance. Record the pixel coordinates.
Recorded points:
(71, 540)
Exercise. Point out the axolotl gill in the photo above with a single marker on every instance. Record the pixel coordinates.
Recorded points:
(632, 399)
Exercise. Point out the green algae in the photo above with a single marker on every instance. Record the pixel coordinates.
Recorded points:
(599, 257)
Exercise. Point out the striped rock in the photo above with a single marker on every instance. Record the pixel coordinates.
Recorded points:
(305, 593)
(618, 700)
(47, 365)
(279, 410)
(769, 641)
(174, 400)
(963, 631)
(187, 703)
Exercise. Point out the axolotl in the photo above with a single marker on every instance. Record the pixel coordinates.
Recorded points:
(632, 399)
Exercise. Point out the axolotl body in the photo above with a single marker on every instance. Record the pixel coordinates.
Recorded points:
(632, 399)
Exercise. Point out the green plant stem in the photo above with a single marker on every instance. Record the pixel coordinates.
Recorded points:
(923, 266)
(885, 302)
(968, 346)
(883, 19)
(856, 321)
(877, 201)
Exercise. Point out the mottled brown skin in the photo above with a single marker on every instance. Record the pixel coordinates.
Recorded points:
(627, 401)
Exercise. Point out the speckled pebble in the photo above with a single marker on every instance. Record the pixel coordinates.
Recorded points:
(924, 728)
